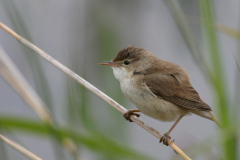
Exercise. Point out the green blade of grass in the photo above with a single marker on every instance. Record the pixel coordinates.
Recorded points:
(230, 147)
(93, 141)
(229, 31)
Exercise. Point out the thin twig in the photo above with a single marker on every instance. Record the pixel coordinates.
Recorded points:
(19, 148)
(91, 88)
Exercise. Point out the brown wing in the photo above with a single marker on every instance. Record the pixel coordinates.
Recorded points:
(176, 89)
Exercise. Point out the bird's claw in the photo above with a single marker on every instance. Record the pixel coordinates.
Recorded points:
(128, 114)
(165, 139)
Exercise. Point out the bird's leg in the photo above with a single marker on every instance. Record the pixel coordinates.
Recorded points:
(166, 136)
(131, 112)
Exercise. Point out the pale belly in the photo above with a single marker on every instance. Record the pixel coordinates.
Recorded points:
(149, 104)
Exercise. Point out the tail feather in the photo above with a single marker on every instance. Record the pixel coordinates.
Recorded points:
(208, 115)
(215, 120)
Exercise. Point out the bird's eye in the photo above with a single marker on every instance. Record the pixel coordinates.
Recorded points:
(127, 62)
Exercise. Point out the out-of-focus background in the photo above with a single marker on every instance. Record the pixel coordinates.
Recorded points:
(199, 35)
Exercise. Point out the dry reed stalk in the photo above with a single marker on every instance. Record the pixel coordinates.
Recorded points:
(19, 148)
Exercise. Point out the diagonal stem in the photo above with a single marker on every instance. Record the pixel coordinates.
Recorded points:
(19, 148)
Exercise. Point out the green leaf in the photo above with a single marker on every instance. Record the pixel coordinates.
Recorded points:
(229, 31)
(217, 78)
(93, 141)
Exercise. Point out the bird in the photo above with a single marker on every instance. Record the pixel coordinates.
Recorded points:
(158, 88)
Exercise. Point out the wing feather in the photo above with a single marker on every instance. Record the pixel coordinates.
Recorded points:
(176, 89)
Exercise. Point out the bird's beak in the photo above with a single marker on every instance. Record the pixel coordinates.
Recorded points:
(108, 63)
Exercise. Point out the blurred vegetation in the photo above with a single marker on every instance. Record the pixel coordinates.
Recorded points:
(94, 141)
(217, 78)
(88, 129)
(214, 70)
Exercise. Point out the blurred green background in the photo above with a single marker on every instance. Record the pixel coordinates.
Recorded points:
(200, 35)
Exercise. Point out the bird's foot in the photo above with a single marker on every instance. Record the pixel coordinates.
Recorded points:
(129, 113)
(165, 139)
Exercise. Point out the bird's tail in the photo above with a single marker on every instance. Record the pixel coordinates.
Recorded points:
(215, 120)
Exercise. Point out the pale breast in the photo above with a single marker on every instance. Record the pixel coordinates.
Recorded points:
(141, 96)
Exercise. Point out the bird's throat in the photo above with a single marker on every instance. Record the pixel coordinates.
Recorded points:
(121, 73)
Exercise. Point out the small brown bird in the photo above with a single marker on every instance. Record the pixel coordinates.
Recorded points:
(158, 88)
